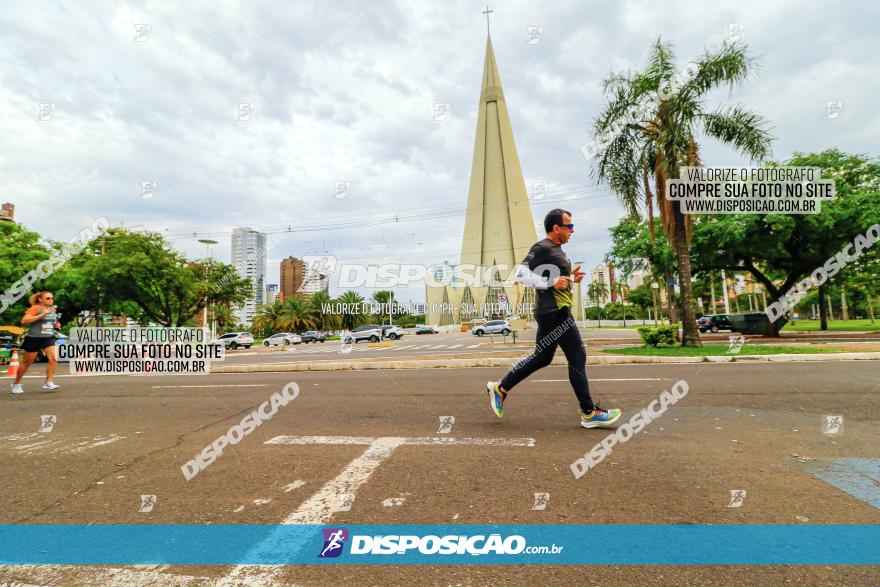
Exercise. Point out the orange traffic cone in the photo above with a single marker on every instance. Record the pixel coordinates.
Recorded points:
(13, 364)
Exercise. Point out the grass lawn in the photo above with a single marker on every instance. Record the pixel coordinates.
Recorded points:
(715, 350)
(852, 325)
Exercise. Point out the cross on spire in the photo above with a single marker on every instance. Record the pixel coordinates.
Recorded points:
(487, 12)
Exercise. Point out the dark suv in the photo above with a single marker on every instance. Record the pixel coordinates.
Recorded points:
(714, 323)
(313, 336)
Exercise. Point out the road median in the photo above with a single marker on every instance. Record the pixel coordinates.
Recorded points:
(454, 363)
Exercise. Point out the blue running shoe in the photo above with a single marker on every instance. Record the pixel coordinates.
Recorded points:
(600, 418)
(496, 397)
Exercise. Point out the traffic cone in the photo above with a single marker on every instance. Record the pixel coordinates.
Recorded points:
(13, 364)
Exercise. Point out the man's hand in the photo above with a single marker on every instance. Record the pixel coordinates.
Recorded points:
(578, 274)
(562, 282)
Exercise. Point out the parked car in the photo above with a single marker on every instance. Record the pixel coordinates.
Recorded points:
(392, 331)
(314, 336)
(492, 327)
(233, 340)
(371, 332)
(715, 322)
(282, 339)
(423, 329)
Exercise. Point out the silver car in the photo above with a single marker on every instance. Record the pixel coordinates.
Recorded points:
(492, 327)
(282, 339)
(370, 332)
(233, 340)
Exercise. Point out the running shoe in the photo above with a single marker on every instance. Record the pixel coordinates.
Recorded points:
(16, 388)
(496, 397)
(599, 417)
(50, 385)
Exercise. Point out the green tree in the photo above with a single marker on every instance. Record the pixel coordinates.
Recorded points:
(296, 315)
(139, 275)
(20, 252)
(652, 117)
(323, 320)
(352, 319)
(268, 318)
(779, 250)
(596, 292)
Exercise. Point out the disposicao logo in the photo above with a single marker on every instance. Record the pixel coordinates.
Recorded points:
(334, 540)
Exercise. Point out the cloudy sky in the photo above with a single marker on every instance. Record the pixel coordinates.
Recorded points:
(343, 92)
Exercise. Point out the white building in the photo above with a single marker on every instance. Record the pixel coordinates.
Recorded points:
(602, 274)
(249, 260)
(271, 293)
(313, 280)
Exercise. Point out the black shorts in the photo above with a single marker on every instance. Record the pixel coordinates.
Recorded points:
(33, 344)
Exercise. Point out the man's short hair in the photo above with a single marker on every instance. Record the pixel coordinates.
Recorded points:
(553, 218)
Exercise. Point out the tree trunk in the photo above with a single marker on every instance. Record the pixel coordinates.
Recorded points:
(690, 334)
(671, 310)
(870, 309)
(823, 313)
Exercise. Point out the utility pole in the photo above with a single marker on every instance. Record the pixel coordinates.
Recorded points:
(712, 293)
(654, 287)
(99, 313)
(724, 292)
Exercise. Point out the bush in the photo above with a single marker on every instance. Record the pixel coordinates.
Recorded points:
(656, 335)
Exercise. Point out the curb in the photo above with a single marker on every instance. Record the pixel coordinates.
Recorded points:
(507, 362)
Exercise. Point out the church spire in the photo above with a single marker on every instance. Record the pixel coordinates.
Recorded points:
(499, 223)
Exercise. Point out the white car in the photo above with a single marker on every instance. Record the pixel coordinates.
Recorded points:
(282, 339)
(492, 327)
(233, 340)
(370, 332)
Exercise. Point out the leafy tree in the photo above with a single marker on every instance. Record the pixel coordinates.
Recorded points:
(661, 118)
(632, 244)
(20, 252)
(351, 320)
(596, 292)
(324, 321)
(779, 250)
(296, 315)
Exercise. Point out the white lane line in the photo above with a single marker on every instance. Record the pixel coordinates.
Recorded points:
(455, 346)
(614, 379)
(339, 493)
(318, 509)
(473, 346)
(425, 440)
(196, 386)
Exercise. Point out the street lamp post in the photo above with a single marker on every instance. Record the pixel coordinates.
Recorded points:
(654, 287)
(207, 242)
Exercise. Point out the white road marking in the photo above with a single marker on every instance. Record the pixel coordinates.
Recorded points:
(320, 507)
(262, 501)
(592, 379)
(455, 346)
(473, 346)
(295, 485)
(224, 385)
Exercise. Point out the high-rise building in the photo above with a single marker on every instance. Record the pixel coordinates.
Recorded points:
(603, 274)
(271, 293)
(249, 260)
(292, 276)
(499, 228)
(314, 281)
(7, 212)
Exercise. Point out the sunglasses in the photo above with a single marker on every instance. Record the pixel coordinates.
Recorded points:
(568, 226)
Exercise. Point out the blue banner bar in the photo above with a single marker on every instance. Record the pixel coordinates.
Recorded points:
(613, 544)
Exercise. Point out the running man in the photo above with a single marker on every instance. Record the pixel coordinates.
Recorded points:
(41, 320)
(548, 269)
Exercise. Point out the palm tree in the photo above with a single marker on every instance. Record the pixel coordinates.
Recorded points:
(385, 298)
(323, 320)
(268, 318)
(351, 320)
(656, 138)
(596, 291)
(296, 316)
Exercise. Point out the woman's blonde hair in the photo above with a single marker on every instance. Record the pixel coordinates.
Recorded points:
(34, 299)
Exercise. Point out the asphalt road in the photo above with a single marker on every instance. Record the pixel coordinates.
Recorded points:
(752, 427)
